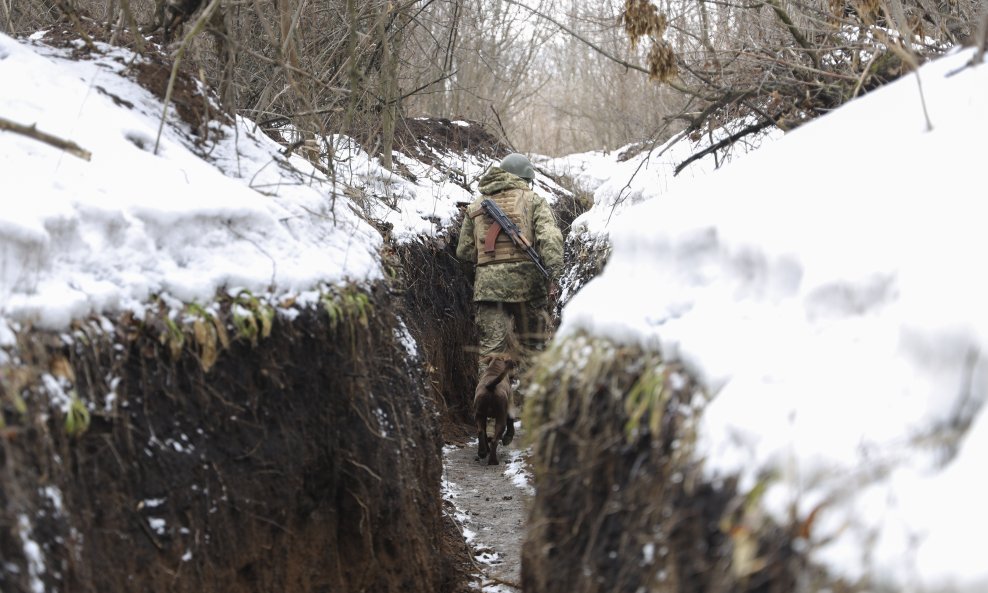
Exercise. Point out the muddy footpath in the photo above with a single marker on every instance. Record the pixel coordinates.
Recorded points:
(490, 505)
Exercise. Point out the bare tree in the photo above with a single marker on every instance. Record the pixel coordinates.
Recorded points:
(556, 75)
(779, 63)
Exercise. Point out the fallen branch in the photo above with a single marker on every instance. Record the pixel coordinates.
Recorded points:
(33, 132)
(493, 579)
(752, 129)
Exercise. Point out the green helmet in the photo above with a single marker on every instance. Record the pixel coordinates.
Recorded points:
(518, 164)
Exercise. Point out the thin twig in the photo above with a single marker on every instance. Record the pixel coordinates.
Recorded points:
(864, 74)
(287, 118)
(33, 132)
(6, 10)
(426, 85)
(922, 101)
(982, 41)
(70, 12)
(795, 32)
(578, 37)
(196, 29)
(501, 127)
(132, 24)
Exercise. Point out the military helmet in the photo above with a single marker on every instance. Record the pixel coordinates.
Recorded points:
(518, 164)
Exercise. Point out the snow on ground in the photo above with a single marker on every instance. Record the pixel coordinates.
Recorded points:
(82, 236)
(828, 290)
(109, 234)
(516, 466)
(617, 185)
(415, 209)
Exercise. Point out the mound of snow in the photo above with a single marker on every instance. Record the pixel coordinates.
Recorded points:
(827, 288)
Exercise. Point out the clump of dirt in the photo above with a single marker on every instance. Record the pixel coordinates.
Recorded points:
(414, 136)
(307, 460)
(192, 105)
(621, 505)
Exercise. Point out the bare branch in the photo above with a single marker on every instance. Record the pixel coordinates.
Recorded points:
(795, 32)
(200, 24)
(33, 132)
(579, 37)
(752, 129)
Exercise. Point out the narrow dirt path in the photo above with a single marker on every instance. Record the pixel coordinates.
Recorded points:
(491, 504)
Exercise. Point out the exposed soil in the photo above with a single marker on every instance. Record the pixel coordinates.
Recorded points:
(436, 301)
(306, 461)
(417, 136)
(195, 109)
(622, 504)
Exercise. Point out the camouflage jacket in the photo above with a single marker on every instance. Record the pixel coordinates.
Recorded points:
(513, 281)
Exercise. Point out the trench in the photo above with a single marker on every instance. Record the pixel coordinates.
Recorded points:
(328, 447)
(309, 448)
(299, 449)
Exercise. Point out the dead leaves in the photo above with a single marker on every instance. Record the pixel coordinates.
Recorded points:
(210, 336)
(641, 19)
(205, 332)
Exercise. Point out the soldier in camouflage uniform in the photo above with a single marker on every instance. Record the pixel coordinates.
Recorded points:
(510, 292)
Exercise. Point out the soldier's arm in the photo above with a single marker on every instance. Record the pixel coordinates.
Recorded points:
(548, 237)
(466, 249)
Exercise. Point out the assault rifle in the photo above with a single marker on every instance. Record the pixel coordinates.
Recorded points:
(502, 222)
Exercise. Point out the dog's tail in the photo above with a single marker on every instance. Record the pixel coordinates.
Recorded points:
(495, 373)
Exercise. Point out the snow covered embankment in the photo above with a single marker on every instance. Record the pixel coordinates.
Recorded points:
(189, 348)
(835, 309)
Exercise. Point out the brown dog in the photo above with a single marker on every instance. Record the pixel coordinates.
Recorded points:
(493, 400)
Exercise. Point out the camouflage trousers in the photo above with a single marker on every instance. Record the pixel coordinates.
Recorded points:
(519, 329)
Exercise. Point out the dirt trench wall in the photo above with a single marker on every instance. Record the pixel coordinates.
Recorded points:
(621, 504)
(307, 462)
(436, 300)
